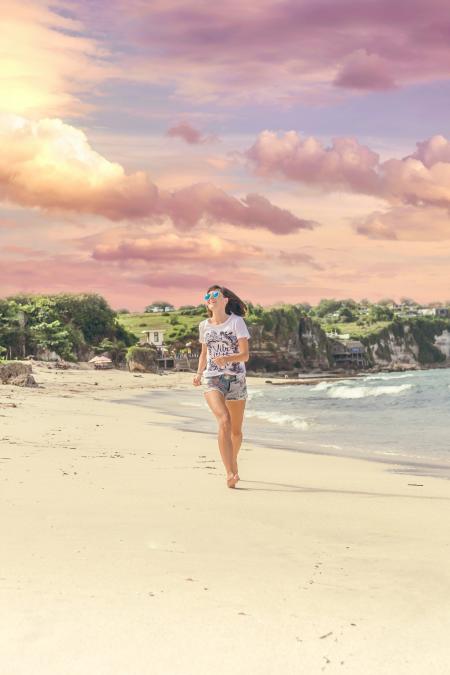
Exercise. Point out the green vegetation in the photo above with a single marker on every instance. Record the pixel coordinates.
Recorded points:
(356, 330)
(179, 326)
(424, 332)
(413, 332)
(75, 326)
(70, 325)
(276, 327)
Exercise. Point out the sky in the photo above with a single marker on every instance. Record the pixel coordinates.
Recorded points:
(288, 150)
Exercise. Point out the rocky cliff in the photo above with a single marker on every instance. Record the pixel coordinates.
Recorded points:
(413, 343)
(304, 348)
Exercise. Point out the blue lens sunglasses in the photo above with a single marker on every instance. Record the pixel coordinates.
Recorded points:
(214, 294)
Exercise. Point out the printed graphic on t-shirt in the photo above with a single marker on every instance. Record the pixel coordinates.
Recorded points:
(222, 343)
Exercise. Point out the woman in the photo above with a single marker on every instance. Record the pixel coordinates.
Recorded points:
(224, 339)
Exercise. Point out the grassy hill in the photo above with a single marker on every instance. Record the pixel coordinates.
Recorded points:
(179, 327)
(355, 330)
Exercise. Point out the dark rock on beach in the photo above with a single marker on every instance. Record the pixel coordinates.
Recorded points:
(17, 373)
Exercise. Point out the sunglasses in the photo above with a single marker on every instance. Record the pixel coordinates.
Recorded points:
(214, 294)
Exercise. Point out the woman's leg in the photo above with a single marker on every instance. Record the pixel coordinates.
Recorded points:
(236, 410)
(216, 402)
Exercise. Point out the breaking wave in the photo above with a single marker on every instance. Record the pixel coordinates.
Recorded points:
(339, 391)
(279, 418)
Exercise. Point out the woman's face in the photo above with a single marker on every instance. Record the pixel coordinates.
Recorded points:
(216, 299)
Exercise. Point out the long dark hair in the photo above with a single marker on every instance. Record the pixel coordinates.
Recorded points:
(234, 305)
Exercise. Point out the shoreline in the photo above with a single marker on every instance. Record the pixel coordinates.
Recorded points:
(406, 467)
(121, 540)
(186, 421)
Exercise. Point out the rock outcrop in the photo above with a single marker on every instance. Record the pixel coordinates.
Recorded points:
(142, 360)
(17, 373)
(412, 344)
(304, 348)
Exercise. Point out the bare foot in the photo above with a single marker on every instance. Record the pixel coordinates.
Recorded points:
(232, 479)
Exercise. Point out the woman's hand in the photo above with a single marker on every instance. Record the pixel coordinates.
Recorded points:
(221, 361)
(197, 380)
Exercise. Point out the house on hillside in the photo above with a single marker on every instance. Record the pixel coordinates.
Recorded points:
(408, 313)
(434, 311)
(349, 353)
(155, 336)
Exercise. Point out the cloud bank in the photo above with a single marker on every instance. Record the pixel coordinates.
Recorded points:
(420, 180)
(278, 50)
(50, 164)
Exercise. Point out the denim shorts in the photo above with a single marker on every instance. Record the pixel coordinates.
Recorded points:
(233, 387)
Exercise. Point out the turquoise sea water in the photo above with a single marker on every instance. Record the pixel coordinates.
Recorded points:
(401, 418)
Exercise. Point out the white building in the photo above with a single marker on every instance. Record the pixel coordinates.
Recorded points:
(334, 334)
(153, 337)
(162, 309)
(433, 311)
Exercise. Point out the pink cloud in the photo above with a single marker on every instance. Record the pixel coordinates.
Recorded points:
(173, 248)
(365, 71)
(231, 52)
(188, 133)
(207, 202)
(297, 258)
(421, 180)
(51, 165)
(344, 165)
(407, 223)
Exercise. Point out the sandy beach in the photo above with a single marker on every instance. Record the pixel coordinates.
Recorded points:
(123, 551)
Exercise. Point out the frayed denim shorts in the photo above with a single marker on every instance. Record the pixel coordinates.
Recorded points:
(233, 387)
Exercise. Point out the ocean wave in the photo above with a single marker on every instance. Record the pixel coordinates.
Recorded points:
(279, 418)
(324, 386)
(388, 376)
(362, 392)
(254, 393)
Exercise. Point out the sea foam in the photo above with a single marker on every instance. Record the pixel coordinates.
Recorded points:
(338, 391)
(279, 418)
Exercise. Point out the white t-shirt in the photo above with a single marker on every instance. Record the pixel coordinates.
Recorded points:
(222, 340)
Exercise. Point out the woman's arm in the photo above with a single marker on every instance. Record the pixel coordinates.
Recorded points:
(243, 354)
(202, 359)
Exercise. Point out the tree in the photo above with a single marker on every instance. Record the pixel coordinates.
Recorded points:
(68, 324)
(327, 306)
(386, 301)
(380, 313)
(52, 336)
(346, 315)
(408, 301)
